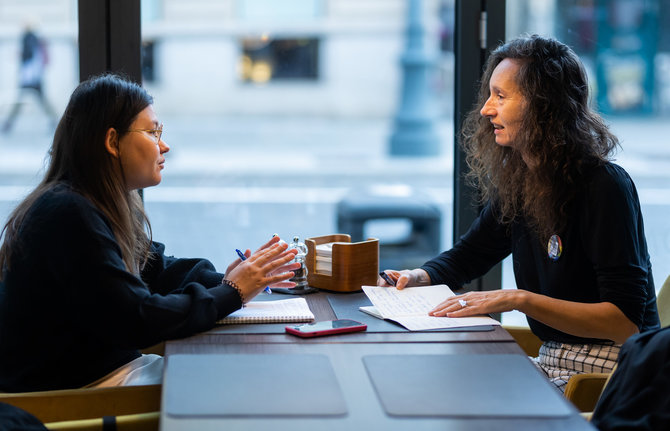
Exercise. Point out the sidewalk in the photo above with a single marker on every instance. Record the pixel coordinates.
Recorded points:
(288, 147)
(255, 146)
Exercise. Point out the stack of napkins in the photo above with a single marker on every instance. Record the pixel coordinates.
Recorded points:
(324, 258)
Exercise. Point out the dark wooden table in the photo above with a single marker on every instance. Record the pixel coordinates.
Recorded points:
(345, 353)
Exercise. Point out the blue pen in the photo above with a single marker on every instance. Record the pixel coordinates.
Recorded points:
(243, 257)
(386, 278)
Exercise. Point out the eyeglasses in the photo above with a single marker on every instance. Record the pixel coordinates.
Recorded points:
(156, 133)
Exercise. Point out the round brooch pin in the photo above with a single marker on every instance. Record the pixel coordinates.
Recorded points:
(555, 247)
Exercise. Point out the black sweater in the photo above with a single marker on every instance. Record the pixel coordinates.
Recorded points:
(70, 313)
(604, 254)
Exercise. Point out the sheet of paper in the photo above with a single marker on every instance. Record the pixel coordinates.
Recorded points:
(371, 310)
(410, 307)
(391, 302)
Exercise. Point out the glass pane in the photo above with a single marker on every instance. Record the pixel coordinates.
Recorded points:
(626, 51)
(38, 71)
(273, 118)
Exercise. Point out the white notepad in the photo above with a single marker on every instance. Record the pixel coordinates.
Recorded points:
(283, 310)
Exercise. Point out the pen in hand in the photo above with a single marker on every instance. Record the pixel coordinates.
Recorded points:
(243, 257)
(386, 278)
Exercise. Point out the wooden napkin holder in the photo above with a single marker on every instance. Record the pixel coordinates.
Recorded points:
(353, 264)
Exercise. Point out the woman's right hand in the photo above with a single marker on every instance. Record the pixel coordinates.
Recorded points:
(406, 278)
(260, 269)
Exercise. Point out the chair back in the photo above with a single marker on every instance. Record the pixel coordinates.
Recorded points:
(663, 303)
(86, 403)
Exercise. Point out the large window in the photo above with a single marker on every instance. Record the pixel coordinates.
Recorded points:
(254, 154)
(274, 115)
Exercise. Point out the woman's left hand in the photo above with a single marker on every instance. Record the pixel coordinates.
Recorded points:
(477, 303)
(588, 320)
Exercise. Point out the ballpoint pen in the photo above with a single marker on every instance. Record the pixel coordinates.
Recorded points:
(243, 257)
(386, 278)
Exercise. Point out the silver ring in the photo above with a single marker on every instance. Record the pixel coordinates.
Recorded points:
(463, 302)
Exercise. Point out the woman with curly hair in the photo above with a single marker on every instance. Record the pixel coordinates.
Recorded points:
(551, 197)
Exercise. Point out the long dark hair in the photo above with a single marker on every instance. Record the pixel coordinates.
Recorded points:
(559, 130)
(78, 156)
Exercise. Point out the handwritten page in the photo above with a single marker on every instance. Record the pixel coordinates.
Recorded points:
(407, 302)
(410, 307)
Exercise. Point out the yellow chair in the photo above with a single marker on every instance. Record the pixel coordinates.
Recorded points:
(584, 390)
(592, 392)
(134, 408)
(158, 349)
(137, 422)
(663, 303)
(91, 403)
(525, 339)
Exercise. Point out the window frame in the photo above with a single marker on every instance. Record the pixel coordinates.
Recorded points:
(479, 28)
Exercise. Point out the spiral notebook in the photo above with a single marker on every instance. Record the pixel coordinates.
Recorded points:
(282, 310)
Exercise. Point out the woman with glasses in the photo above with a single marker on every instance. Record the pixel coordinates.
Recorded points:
(83, 286)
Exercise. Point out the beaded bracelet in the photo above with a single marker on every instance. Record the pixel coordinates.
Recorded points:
(237, 288)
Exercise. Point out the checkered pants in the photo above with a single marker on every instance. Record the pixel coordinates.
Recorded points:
(560, 361)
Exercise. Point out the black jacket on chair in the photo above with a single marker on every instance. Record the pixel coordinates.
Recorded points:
(637, 396)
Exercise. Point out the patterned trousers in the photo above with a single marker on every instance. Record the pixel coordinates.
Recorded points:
(560, 361)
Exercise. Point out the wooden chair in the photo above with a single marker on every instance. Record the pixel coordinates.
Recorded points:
(525, 339)
(663, 303)
(584, 390)
(137, 422)
(133, 408)
(74, 405)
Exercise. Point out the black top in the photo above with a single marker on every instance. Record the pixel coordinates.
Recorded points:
(70, 313)
(604, 254)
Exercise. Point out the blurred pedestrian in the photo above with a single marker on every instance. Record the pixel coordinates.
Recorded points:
(33, 61)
